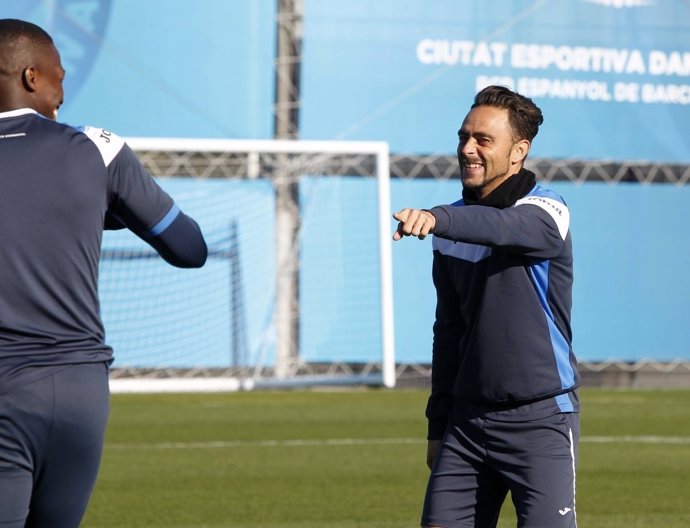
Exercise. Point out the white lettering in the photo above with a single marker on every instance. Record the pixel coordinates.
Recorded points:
(499, 51)
(674, 63)
(657, 62)
(527, 56)
(482, 55)
(463, 52)
(556, 210)
(563, 89)
(425, 51)
(666, 93)
(626, 92)
(566, 58)
(635, 63)
(482, 81)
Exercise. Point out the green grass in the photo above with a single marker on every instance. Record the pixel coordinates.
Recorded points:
(349, 459)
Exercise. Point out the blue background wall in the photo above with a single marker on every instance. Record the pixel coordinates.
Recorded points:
(631, 293)
(613, 77)
(631, 296)
(168, 68)
(387, 70)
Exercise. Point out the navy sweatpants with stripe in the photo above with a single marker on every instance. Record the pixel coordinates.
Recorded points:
(482, 459)
(51, 440)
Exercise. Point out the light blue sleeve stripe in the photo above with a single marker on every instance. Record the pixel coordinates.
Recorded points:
(165, 221)
(561, 349)
(564, 403)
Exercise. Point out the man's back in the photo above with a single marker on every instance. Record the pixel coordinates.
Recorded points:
(53, 198)
(59, 187)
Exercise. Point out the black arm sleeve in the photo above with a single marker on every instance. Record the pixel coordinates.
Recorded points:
(181, 244)
(138, 203)
(525, 229)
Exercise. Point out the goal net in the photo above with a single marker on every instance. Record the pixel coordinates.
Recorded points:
(297, 289)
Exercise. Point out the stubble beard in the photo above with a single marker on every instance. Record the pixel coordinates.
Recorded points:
(487, 182)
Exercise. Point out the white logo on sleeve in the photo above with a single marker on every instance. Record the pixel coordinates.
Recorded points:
(108, 144)
(558, 211)
(564, 511)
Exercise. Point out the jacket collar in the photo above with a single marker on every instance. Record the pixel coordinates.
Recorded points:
(506, 194)
(17, 112)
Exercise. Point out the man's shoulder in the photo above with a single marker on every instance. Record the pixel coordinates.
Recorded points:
(552, 203)
(107, 143)
(544, 192)
(545, 198)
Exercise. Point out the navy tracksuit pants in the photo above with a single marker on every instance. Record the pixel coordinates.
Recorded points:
(51, 440)
(482, 459)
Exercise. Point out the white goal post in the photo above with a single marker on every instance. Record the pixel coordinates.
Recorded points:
(290, 160)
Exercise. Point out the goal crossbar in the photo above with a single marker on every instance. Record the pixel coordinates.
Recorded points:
(377, 149)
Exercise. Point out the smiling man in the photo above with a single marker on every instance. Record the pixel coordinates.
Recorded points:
(503, 412)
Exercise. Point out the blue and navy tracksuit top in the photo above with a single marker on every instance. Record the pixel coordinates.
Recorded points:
(60, 186)
(503, 272)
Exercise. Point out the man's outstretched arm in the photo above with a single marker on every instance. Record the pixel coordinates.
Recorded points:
(181, 243)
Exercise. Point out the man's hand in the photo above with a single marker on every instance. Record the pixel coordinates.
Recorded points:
(413, 222)
(432, 449)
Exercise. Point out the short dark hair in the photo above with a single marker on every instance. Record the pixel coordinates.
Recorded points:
(524, 116)
(12, 28)
(17, 39)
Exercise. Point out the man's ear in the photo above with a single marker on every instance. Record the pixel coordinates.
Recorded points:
(519, 151)
(29, 78)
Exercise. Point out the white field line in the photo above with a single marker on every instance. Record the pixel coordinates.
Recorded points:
(270, 443)
(654, 440)
(636, 439)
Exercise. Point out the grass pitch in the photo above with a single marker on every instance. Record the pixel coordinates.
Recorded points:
(356, 458)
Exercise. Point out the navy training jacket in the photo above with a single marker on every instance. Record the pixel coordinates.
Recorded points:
(59, 187)
(503, 278)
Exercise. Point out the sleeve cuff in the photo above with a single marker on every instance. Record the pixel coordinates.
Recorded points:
(442, 220)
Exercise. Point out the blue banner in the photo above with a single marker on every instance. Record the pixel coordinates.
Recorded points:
(163, 68)
(611, 76)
